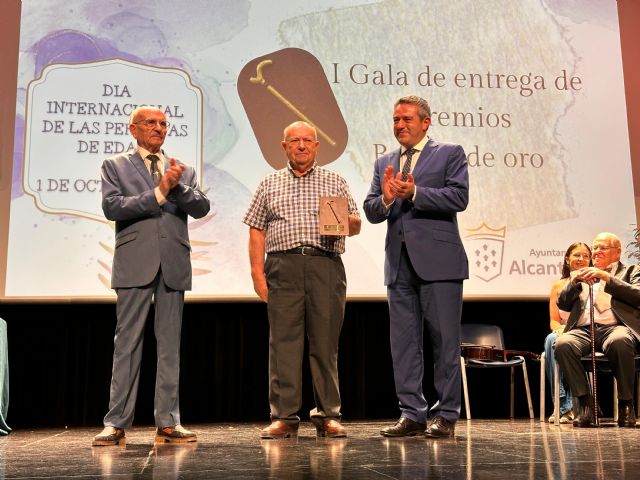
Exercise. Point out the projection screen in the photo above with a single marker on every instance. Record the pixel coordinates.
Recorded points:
(532, 89)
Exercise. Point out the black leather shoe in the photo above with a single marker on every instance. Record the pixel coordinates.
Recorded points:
(585, 412)
(405, 427)
(440, 427)
(626, 416)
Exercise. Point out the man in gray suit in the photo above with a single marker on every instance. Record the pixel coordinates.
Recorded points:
(616, 294)
(149, 195)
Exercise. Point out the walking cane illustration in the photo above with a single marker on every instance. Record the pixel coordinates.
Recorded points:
(259, 80)
(330, 203)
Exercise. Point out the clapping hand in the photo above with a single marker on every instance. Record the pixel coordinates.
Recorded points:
(394, 187)
(171, 177)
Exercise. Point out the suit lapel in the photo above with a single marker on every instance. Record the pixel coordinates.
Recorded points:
(395, 161)
(426, 153)
(167, 162)
(139, 165)
(584, 296)
(619, 273)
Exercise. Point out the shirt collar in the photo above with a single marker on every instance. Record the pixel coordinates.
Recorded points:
(309, 171)
(144, 153)
(418, 147)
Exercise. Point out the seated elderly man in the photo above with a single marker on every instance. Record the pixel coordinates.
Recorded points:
(616, 293)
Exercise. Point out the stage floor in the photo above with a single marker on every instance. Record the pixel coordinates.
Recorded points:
(495, 449)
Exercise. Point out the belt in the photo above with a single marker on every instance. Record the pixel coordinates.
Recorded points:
(308, 250)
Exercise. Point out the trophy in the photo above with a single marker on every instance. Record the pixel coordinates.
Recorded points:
(333, 218)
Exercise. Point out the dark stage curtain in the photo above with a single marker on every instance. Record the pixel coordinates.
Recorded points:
(60, 363)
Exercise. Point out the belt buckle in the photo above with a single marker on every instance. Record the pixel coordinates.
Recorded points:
(302, 250)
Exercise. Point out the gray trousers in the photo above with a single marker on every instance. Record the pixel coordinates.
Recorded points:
(132, 307)
(306, 294)
(617, 342)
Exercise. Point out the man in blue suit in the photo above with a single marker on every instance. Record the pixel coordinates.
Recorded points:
(149, 196)
(418, 190)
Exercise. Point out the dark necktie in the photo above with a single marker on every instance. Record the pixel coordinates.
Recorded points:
(406, 167)
(155, 171)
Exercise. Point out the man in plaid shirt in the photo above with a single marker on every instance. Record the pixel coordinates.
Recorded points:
(302, 280)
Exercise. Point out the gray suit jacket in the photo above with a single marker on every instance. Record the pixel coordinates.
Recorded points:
(149, 236)
(624, 289)
(428, 225)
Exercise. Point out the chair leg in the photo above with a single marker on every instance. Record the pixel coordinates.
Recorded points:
(556, 396)
(512, 409)
(526, 384)
(465, 390)
(542, 386)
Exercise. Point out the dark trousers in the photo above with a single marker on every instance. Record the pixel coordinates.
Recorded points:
(306, 294)
(412, 304)
(617, 342)
(132, 308)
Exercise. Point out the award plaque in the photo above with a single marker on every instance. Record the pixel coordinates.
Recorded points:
(333, 216)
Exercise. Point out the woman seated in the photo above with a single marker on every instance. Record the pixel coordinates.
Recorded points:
(578, 256)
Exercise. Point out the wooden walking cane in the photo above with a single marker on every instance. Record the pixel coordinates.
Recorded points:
(594, 376)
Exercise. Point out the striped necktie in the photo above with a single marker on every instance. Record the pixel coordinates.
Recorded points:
(155, 171)
(406, 167)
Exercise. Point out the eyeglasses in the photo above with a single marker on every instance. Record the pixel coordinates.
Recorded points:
(600, 248)
(584, 256)
(152, 123)
(295, 141)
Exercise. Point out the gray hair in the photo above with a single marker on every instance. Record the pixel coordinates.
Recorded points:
(424, 110)
(140, 108)
(299, 123)
(611, 238)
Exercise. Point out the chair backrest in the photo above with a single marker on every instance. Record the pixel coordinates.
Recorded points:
(480, 334)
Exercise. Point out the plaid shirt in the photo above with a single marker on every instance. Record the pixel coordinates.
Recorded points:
(286, 206)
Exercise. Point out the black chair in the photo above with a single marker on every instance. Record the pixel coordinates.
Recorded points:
(602, 366)
(490, 336)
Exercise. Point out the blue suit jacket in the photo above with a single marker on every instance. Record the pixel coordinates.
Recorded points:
(149, 235)
(427, 224)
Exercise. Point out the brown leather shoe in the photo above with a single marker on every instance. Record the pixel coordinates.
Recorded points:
(279, 429)
(176, 434)
(329, 427)
(626, 415)
(440, 427)
(405, 427)
(108, 437)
